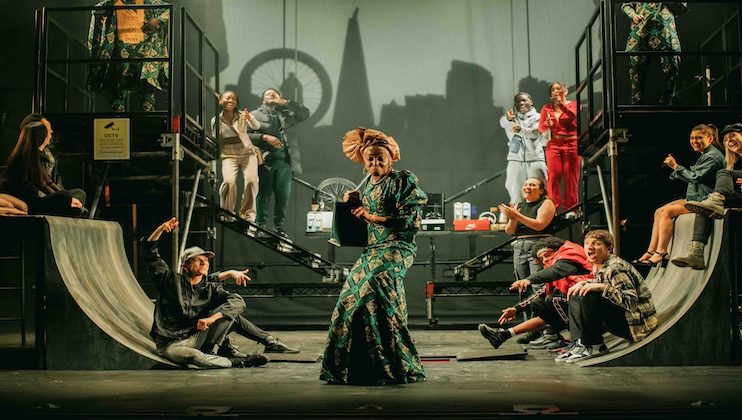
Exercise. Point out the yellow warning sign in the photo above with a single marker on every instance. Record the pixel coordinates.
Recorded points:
(111, 139)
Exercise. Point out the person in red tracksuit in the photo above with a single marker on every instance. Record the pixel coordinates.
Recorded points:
(559, 124)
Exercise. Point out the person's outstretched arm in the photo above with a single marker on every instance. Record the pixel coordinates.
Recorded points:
(166, 226)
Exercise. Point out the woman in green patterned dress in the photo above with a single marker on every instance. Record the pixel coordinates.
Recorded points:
(368, 341)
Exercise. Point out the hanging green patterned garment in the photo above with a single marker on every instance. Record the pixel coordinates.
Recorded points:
(656, 33)
(368, 341)
(105, 42)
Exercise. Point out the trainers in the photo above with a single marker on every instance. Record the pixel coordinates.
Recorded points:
(570, 215)
(254, 360)
(237, 362)
(277, 346)
(496, 336)
(280, 232)
(227, 349)
(560, 343)
(588, 352)
(574, 348)
(545, 340)
(527, 338)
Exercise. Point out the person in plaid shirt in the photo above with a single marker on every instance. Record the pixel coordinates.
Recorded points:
(616, 300)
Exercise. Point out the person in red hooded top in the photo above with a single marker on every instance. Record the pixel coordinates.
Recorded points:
(565, 264)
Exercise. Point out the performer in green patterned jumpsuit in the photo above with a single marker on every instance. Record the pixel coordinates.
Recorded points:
(652, 29)
(128, 33)
(368, 341)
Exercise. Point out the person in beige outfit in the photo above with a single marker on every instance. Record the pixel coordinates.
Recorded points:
(238, 154)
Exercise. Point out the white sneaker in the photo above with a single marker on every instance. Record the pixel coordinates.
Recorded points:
(573, 349)
(570, 215)
(588, 353)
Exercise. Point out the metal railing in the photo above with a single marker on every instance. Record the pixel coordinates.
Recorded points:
(597, 56)
(186, 136)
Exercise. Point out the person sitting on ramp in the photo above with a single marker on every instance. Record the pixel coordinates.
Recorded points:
(565, 264)
(194, 313)
(616, 301)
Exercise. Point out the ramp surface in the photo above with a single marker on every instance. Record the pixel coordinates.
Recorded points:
(690, 307)
(90, 257)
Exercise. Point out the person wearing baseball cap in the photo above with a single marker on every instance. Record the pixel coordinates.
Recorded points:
(194, 313)
(727, 193)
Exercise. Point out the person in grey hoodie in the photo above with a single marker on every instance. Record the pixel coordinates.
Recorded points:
(525, 147)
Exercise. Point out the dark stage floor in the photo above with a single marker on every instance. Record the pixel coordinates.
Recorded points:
(480, 389)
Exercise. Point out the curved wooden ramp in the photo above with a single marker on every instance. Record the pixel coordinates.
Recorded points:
(692, 306)
(90, 258)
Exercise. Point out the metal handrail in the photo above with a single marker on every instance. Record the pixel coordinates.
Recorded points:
(474, 187)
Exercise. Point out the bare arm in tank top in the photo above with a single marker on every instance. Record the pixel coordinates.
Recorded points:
(544, 216)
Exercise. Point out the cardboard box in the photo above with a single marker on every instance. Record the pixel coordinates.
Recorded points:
(465, 225)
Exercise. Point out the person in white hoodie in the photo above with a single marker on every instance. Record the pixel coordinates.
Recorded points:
(525, 147)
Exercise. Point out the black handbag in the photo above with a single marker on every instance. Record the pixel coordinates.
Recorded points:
(347, 230)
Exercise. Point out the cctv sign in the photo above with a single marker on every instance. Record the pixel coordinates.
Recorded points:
(111, 139)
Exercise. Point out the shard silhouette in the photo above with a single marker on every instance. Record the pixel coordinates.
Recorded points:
(353, 101)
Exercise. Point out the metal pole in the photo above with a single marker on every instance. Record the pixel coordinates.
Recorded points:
(176, 156)
(176, 199)
(609, 48)
(35, 104)
(296, 50)
(474, 187)
(23, 294)
(44, 44)
(613, 155)
(98, 191)
(708, 85)
(429, 296)
(604, 194)
(187, 225)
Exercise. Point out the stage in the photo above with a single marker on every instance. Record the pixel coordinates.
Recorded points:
(477, 389)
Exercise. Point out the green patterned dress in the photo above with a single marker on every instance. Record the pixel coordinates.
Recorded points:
(368, 341)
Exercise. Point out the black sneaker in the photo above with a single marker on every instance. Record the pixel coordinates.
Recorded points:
(280, 232)
(278, 346)
(496, 336)
(525, 339)
(254, 360)
(544, 341)
(229, 350)
(237, 362)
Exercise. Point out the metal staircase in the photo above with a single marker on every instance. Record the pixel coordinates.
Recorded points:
(469, 269)
(331, 272)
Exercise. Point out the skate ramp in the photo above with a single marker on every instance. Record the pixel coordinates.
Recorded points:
(90, 258)
(692, 309)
